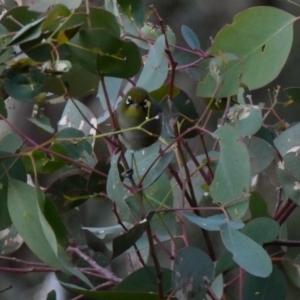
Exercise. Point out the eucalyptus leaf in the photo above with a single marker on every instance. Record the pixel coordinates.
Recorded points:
(293, 93)
(273, 287)
(192, 274)
(291, 264)
(116, 192)
(247, 119)
(231, 184)
(10, 142)
(155, 70)
(29, 32)
(102, 53)
(134, 9)
(145, 280)
(289, 140)
(212, 223)
(190, 37)
(253, 230)
(257, 45)
(261, 154)
(128, 239)
(24, 86)
(289, 175)
(246, 253)
(111, 295)
(28, 218)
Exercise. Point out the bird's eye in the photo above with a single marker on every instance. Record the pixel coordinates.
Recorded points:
(128, 100)
(145, 103)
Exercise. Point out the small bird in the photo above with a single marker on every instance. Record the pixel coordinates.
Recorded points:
(138, 108)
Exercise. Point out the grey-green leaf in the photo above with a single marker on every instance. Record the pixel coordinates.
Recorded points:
(260, 152)
(246, 253)
(273, 287)
(192, 274)
(190, 37)
(231, 184)
(155, 70)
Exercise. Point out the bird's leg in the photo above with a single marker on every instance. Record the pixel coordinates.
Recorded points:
(128, 173)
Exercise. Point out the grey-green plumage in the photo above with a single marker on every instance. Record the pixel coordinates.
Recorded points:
(135, 108)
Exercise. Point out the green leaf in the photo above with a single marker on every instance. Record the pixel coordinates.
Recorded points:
(75, 115)
(258, 206)
(263, 51)
(24, 86)
(109, 295)
(134, 9)
(51, 295)
(128, 239)
(190, 37)
(69, 190)
(74, 142)
(42, 122)
(247, 119)
(212, 223)
(10, 142)
(231, 184)
(155, 70)
(77, 82)
(57, 12)
(96, 182)
(156, 196)
(145, 280)
(116, 191)
(11, 167)
(144, 160)
(218, 286)
(246, 253)
(260, 152)
(113, 86)
(16, 16)
(188, 115)
(44, 5)
(29, 32)
(29, 220)
(102, 53)
(192, 274)
(288, 140)
(97, 18)
(253, 230)
(293, 93)
(291, 265)
(5, 220)
(273, 287)
(225, 263)
(288, 171)
(5, 52)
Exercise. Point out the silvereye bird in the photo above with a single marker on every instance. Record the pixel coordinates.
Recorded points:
(136, 108)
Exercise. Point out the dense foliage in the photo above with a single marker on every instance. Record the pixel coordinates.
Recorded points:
(191, 178)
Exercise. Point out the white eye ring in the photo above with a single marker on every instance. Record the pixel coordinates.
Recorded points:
(128, 100)
(145, 103)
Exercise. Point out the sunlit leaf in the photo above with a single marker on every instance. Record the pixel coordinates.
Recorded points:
(263, 50)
